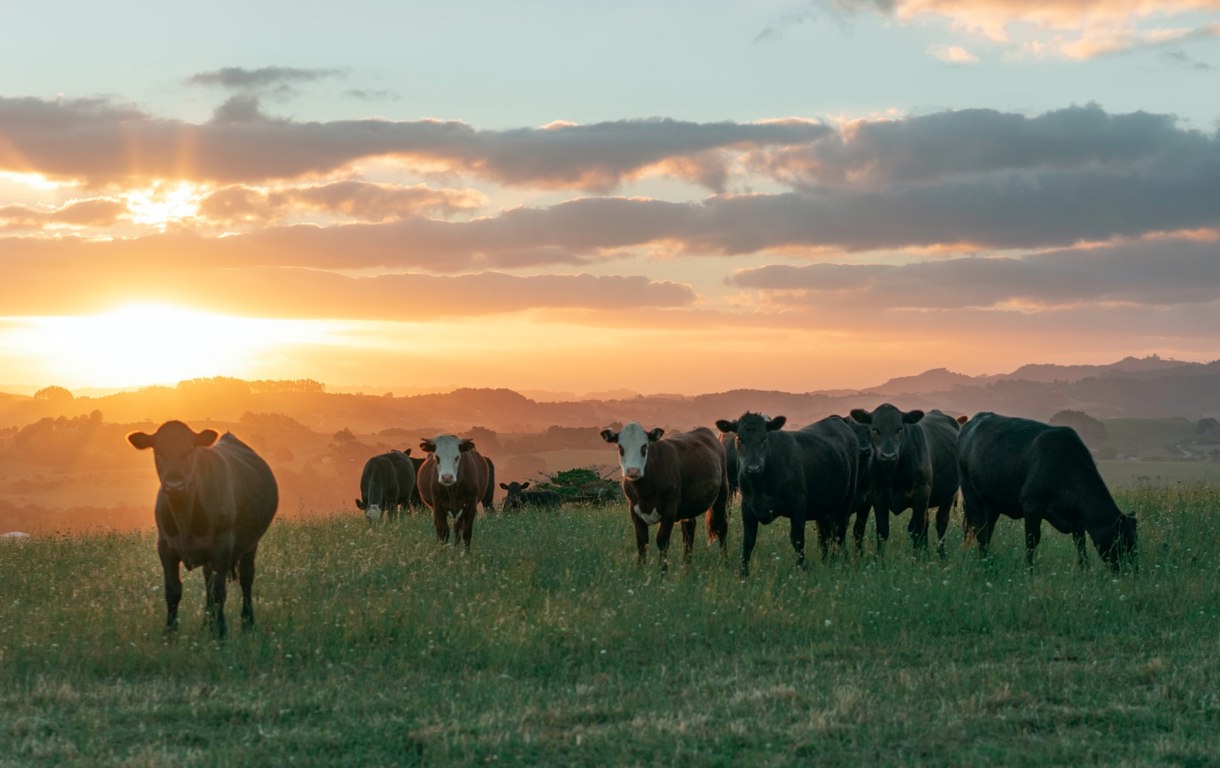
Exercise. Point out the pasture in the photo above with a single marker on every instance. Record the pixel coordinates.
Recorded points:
(547, 645)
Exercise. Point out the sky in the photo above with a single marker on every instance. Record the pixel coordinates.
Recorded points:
(683, 197)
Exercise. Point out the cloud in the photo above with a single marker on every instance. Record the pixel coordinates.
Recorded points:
(263, 79)
(1060, 28)
(238, 206)
(102, 142)
(953, 54)
(1138, 273)
(96, 212)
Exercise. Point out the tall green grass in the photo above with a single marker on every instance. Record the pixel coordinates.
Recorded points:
(547, 645)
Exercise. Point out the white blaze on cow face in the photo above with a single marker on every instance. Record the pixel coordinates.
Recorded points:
(447, 450)
(632, 448)
(373, 513)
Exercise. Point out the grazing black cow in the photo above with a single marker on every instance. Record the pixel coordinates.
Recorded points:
(1026, 469)
(405, 470)
(519, 496)
(731, 464)
(452, 481)
(806, 474)
(217, 498)
(378, 488)
(672, 480)
(913, 464)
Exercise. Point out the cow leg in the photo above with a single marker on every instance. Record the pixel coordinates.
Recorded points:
(882, 514)
(857, 531)
(749, 535)
(245, 577)
(173, 585)
(918, 525)
(214, 608)
(641, 539)
(664, 530)
(688, 538)
(718, 518)
(440, 521)
(1082, 555)
(796, 534)
(467, 530)
(943, 512)
(1033, 534)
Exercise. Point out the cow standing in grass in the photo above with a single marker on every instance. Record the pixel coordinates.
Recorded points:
(803, 475)
(215, 501)
(453, 480)
(912, 465)
(672, 480)
(519, 496)
(1033, 471)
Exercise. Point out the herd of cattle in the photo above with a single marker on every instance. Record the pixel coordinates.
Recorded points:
(217, 496)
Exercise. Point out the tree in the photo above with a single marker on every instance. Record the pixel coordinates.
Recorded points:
(53, 394)
(1208, 427)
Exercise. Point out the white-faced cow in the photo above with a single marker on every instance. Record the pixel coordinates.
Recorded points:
(806, 474)
(453, 480)
(672, 480)
(1033, 471)
(216, 499)
(519, 496)
(912, 465)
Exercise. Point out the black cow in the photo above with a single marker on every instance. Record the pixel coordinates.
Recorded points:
(913, 464)
(862, 499)
(405, 470)
(519, 496)
(378, 488)
(673, 480)
(216, 499)
(803, 475)
(1026, 469)
(416, 461)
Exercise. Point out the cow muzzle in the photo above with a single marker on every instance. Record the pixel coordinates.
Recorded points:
(633, 473)
(447, 479)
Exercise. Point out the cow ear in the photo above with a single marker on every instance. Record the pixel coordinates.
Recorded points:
(912, 417)
(777, 423)
(724, 425)
(655, 434)
(466, 445)
(361, 505)
(525, 485)
(427, 446)
(610, 436)
(206, 438)
(140, 440)
(861, 415)
(504, 486)
(962, 419)
(407, 451)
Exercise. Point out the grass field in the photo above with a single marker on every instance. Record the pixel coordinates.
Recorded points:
(547, 646)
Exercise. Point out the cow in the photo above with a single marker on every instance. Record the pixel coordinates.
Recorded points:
(488, 500)
(912, 465)
(416, 462)
(862, 499)
(216, 499)
(405, 471)
(730, 460)
(806, 474)
(452, 482)
(672, 480)
(519, 496)
(1029, 470)
(379, 489)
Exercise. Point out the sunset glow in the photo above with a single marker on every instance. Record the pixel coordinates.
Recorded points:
(141, 344)
(995, 184)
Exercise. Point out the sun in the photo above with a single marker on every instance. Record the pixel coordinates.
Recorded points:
(163, 204)
(149, 343)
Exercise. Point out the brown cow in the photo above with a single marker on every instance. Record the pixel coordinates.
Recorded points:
(217, 498)
(672, 480)
(452, 481)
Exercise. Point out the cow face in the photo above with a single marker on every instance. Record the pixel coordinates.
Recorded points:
(514, 498)
(174, 453)
(887, 429)
(632, 447)
(752, 431)
(447, 450)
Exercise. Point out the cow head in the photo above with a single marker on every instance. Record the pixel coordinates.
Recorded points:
(514, 495)
(174, 447)
(887, 429)
(1121, 548)
(447, 450)
(752, 431)
(632, 447)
